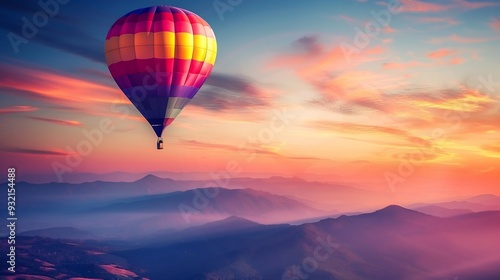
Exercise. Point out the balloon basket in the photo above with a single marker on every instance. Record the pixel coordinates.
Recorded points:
(159, 144)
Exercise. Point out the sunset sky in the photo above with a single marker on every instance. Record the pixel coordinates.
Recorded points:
(298, 89)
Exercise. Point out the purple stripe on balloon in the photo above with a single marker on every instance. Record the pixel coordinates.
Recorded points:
(165, 91)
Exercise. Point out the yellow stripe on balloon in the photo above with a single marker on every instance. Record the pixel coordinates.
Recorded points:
(157, 38)
(210, 57)
(199, 54)
(148, 52)
(184, 39)
(165, 45)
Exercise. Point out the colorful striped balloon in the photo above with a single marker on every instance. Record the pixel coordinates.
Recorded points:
(160, 57)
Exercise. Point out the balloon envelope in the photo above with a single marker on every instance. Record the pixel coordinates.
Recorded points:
(160, 57)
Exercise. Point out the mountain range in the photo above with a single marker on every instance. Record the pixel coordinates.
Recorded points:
(391, 243)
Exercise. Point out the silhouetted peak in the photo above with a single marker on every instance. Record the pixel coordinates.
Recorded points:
(393, 210)
(236, 219)
(150, 177)
(229, 223)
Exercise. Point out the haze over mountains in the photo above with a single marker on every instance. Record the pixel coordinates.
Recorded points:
(154, 203)
(249, 228)
(391, 243)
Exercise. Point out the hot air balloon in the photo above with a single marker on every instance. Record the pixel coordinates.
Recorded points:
(160, 57)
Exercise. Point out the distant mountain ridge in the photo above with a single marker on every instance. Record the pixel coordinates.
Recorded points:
(245, 203)
(480, 203)
(391, 243)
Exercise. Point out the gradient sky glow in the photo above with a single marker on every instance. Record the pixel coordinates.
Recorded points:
(424, 88)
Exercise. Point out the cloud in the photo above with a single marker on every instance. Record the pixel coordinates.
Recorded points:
(492, 148)
(310, 58)
(55, 88)
(403, 65)
(495, 24)
(473, 5)
(224, 92)
(345, 18)
(63, 33)
(440, 53)
(417, 6)
(310, 44)
(463, 100)
(456, 61)
(247, 149)
(459, 39)
(353, 92)
(389, 29)
(34, 151)
(17, 109)
(54, 121)
(369, 130)
(447, 20)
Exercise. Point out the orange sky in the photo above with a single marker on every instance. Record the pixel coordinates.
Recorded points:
(391, 116)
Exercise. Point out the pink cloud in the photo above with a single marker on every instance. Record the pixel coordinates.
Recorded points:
(440, 53)
(345, 18)
(389, 29)
(323, 59)
(446, 20)
(473, 5)
(17, 109)
(459, 39)
(403, 65)
(56, 88)
(495, 24)
(415, 6)
(456, 60)
(54, 121)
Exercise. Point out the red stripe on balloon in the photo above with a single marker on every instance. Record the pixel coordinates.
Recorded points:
(163, 21)
(153, 65)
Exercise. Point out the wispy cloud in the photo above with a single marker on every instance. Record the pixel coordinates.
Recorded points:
(491, 150)
(55, 88)
(447, 20)
(464, 100)
(55, 121)
(63, 33)
(403, 65)
(495, 24)
(473, 5)
(345, 18)
(417, 6)
(456, 61)
(17, 109)
(257, 149)
(369, 131)
(440, 53)
(441, 56)
(459, 39)
(389, 29)
(52, 152)
(232, 93)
